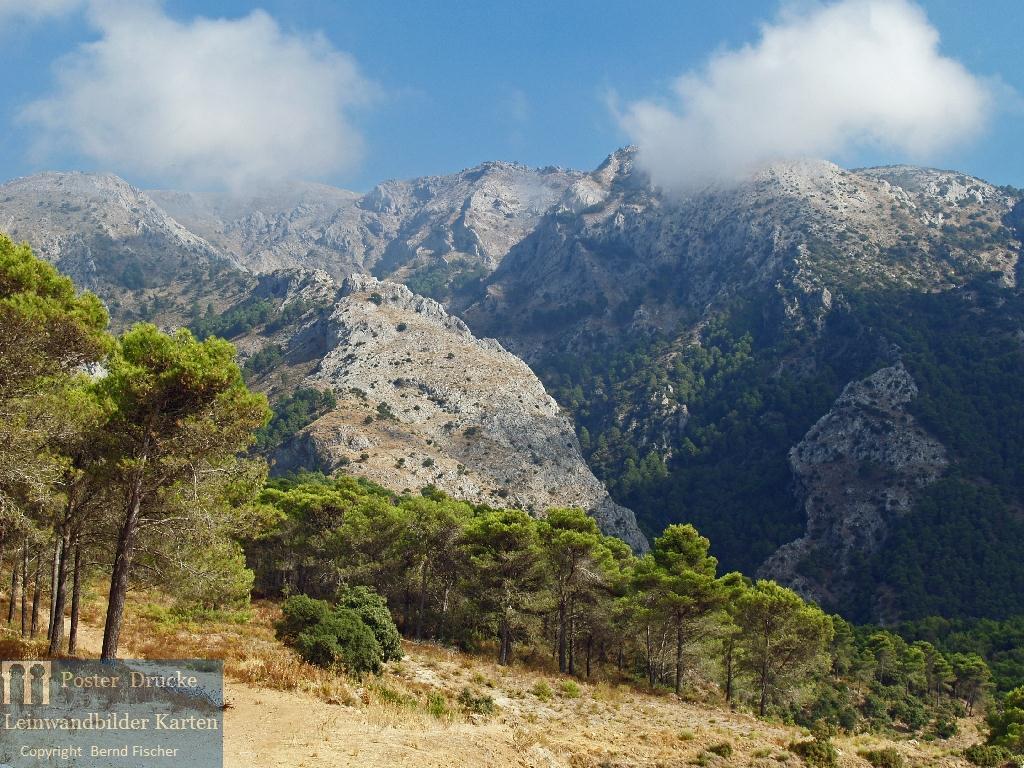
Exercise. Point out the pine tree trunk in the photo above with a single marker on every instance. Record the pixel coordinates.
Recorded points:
(728, 671)
(679, 656)
(3, 551)
(590, 652)
(444, 613)
(562, 657)
(76, 602)
(60, 594)
(504, 651)
(650, 657)
(422, 606)
(14, 590)
(572, 638)
(37, 596)
(24, 589)
(59, 540)
(122, 568)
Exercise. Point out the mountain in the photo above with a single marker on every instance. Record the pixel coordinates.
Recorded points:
(813, 366)
(419, 400)
(116, 241)
(434, 233)
(721, 354)
(616, 256)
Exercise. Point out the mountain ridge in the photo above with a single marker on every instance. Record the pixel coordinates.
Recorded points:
(683, 333)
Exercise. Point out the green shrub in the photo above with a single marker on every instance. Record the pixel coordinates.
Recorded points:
(945, 727)
(722, 750)
(542, 691)
(1007, 723)
(883, 758)
(818, 753)
(437, 705)
(342, 639)
(479, 704)
(376, 298)
(358, 634)
(372, 608)
(987, 755)
(300, 613)
(570, 689)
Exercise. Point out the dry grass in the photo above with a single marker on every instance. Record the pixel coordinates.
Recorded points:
(437, 698)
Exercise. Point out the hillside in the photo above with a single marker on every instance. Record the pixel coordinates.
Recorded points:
(701, 344)
(419, 400)
(283, 712)
(436, 233)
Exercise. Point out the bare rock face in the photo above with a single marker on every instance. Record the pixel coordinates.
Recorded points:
(421, 402)
(116, 241)
(464, 222)
(617, 255)
(857, 468)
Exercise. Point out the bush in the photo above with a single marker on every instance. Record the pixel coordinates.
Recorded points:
(945, 727)
(299, 613)
(437, 705)
(345, 636)
(481, 704)
(722, 750)
(819, 753)
(1007, 723)
(542, 691)
(883, 758)
(987, 756)
(570, 689)
(341, 639)
(373, 610)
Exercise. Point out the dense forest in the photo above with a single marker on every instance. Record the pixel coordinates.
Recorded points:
(129, 458)
(751, 392)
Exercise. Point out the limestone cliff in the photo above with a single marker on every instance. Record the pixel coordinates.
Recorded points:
(856, 469)
(421, 402)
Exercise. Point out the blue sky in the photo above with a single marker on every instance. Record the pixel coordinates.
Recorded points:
(451, 84)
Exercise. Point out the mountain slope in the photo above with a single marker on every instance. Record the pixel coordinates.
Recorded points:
(114, 240)
(435, 232)
(698, 340)
(421, 401)
(702, 344)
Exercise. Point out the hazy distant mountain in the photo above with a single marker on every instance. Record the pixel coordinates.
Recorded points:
(434, 233)
(115, 240)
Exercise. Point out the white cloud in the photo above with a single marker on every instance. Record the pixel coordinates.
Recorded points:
(835, 78)
(36, 10)
(204, 102)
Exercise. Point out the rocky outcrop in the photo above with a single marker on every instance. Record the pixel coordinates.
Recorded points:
(443, 225)
(116, 241)
(421, 402)
(616, 255)
(858, 467)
